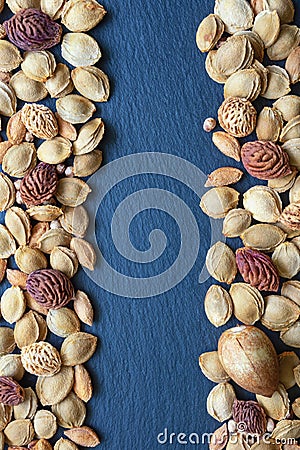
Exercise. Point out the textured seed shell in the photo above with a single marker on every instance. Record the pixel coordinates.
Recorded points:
(220, 401)
(30, 329)
(83, 308)
(54, 389)
(27, 89)
(286, 258)
(39, 65)
(72, 191)
(11, 366)
(7, 243)
(267, 26)
(264, 204)
(218, 305)
(41, 358)
(58, 84)
(63, 322)
(278, 83)
(85, 252)
(30, 259)
(244, 83)
(227, 144)
(70, 412)
(19, 159)
(248, 303)
(16, 278)
(27, 409)
(290, 216)
(13, 304)
(280, 313)
(91, 82)
(54, 238)
(84, 436)
(218, 201)
(82, 383)
(54, 151)
(292, 65)
(10, 57)
(78, 348)
(288, 39)
(291, 336)
(263, 237)
(269, 125)
(86, 165)
(64, 260)
(39, 120)
(212, 368)
(89, 137)
(277, 407)
(224, 176)
(209, 32)
(255, 371)
(44, 423)
(236, 222)
(288, 361)
(220, 263)
(18, 223)
(237, 116)
(75, 220)
(19, 432)
(80, 49)
(236, 14)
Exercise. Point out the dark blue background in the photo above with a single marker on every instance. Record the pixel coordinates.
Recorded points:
(146, 373)
(147, 365)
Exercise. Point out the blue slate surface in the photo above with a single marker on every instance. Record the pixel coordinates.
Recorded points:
(145, 372)
(147, 366)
